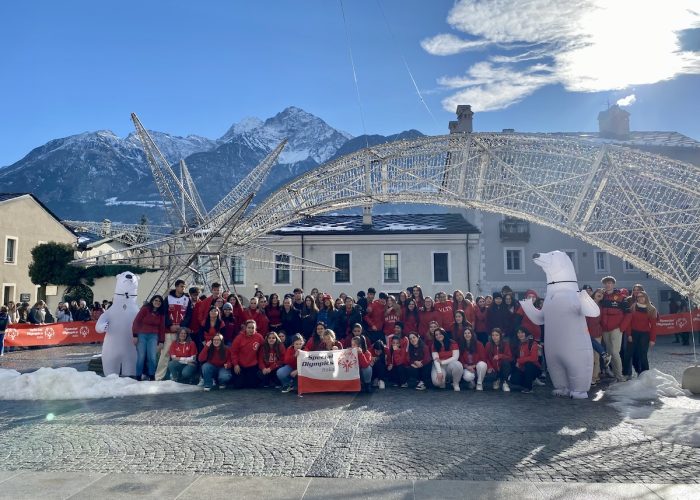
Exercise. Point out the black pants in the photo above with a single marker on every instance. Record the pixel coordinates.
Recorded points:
(397, 375)
(268, 380)
(626, 355)
(525, 375)
(640, 349)
(379, 370)
(421, 374)
(502, 374)
(248, 378)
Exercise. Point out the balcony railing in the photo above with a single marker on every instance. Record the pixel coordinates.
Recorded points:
(514, 230)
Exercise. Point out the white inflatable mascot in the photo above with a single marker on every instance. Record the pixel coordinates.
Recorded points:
(118, 350)
(567, 344)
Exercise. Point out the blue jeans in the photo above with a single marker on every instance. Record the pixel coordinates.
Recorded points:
(283, 374)
(598, 347)
(146, 348)
(182, 373)
(2, 343)
(209, 372)
(366, 374)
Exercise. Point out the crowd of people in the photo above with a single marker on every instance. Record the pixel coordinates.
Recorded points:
(404, 340)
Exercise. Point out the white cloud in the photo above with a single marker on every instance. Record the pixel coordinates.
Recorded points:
(584, 45)
(627, 101)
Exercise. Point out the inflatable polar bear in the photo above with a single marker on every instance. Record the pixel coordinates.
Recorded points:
(567, 344)
(118, 350)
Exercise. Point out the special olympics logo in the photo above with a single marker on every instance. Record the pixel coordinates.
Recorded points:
(347, 361)
(49, 333)
(84, 331)
(11, 333)
(681, 322)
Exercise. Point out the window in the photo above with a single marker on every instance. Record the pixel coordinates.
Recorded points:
(629, 268)
(513, 260)
(10, 250)
(342, 262)
(441, 267)
(572, 256)
(600, 259)
(237, 271)
(282, 275)
(391, 267)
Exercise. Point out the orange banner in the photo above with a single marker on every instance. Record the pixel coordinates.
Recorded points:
(670, 324)
(76, 332)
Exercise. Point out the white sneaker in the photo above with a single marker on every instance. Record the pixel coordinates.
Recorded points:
(506, 388)
(201, 383)
(382, 385)
(479, 387)
(538, 382)
(420, 386)
(496, 385)
(456, 387)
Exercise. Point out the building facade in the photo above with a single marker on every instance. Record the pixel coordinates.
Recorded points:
(25, 223)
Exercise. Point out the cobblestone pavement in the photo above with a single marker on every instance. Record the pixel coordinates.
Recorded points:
(28, 360)
(392, 434)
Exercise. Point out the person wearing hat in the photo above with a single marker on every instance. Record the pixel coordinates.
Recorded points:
(327, 312)
(231, 325)
(612, 313)
(498, 315)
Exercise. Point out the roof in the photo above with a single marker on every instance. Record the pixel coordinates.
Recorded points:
(10, 196)
(658, 138)
(381, 224)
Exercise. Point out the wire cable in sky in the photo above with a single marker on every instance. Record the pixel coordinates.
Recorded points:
(405, 63)
(354, 73)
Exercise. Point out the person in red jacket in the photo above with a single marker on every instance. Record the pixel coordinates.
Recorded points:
(459, 324)
(270, 359)
(253, 313)
(612, 312)
(462, 302)
(640, 329)
(427, 315)
(213, 358)
(364, 358)
(481, 320)
(148, 330)
(374, 318)
(419, 361)
(201, 308)
(391, 316)
(315, 342)
(287, 374)
(243, 357)
(525, 322)
(473, 359)
(595, 330)
(446, 365)
(396, 359)
(411, 317)
(231, 325)
(418, 295)
(182, 365)
(498, 358)
(273, 311)
(445, 312)
(527, 364)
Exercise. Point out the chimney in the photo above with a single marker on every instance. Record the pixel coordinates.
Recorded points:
(614, 123)
(106, 227)
(463, 125)
(367, 216)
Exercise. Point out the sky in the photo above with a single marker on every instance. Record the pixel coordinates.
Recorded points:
(199, 67)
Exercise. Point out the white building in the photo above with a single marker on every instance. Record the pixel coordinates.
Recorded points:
(387, 252)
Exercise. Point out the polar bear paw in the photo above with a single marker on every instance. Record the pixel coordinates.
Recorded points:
(579, 395)
(564, 393)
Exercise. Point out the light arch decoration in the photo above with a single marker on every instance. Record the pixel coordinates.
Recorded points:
(638, 206)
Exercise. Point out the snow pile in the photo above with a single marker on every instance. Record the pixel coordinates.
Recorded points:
(69, 383)
(656, 403)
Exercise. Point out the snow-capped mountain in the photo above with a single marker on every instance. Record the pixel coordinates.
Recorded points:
(98, 175)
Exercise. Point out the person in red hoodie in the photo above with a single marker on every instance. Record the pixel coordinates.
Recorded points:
(287, 374)
(374, 318)
(498, 358)
(460, 302)
(473, 359)
(243, 357)
(364, 359)
(419, 361)
(391, 316)
(273, 312)
(411, 317)
(427, 315)
(231, 324)
(525, 322)
(527, 364)
(148, 330)
(640, 329)
(315, 342)
(481, 320)
(446, 365)
(213, 358)
(182, 365)
(612, 312)
(459, 324)
(270, 359)
(445, 312)
(253, 313)
(396, 359)
(201, 308)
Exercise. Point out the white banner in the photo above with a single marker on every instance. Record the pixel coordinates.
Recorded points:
(328, 371)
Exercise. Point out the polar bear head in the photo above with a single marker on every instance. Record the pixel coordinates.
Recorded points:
(127, 284)
(557, 266)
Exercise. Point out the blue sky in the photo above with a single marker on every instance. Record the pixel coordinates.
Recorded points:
(198, 67)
